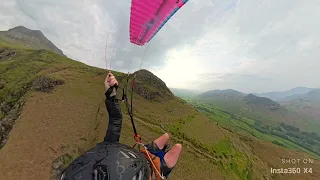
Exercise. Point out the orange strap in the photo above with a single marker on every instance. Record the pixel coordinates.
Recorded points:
(155, 161)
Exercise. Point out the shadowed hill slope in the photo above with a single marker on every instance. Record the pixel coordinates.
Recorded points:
(261, 101)
(28, 38)
(52, 110)
(307, 104)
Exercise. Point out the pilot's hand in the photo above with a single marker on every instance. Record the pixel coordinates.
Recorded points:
(110, 81)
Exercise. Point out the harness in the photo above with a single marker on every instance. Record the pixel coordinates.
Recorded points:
(155, 158)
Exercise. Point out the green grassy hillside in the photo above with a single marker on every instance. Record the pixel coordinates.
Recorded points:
(283, 137)
(52, 110)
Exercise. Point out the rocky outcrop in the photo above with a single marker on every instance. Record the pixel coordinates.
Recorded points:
(46, 84)
(151, 87)
(7, 122)
(6, 54)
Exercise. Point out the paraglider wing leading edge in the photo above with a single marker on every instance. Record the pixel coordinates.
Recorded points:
(147, 17)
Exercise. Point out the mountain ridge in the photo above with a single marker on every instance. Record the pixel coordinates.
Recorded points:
(278, 95)
(307, 104)
(225, 94)
(313, 93)
(28, 38)
(262, 101)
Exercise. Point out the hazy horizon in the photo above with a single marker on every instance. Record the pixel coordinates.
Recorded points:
(249, 46)
(198, 91)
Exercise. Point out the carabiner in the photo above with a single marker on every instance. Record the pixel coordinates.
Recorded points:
(137, 138)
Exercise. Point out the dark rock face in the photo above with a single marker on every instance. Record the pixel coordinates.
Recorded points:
(46, 84)
(151, 87)
(6, 54)
(146, 93)
(7, 122)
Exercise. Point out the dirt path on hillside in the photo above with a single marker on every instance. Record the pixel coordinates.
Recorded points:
(185, 142)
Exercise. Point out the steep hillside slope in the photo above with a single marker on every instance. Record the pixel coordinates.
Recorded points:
(53, 110)
(266, 110)
(28, 38)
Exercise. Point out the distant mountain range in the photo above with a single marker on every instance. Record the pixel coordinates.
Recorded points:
(227, 93)
(296, 119)
(33, 39)
(278, 95)
(313, 94)
(238, 103)
(307, 104)
(299, 106)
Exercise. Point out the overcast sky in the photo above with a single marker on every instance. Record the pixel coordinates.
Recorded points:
(247, 45)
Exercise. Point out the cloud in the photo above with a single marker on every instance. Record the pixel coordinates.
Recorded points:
(252, 46)
(260, 46)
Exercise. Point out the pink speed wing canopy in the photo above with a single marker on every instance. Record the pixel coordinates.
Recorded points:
(148, 17)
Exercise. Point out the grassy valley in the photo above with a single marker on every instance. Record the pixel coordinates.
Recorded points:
(260, 117)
